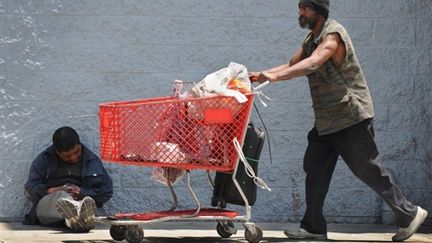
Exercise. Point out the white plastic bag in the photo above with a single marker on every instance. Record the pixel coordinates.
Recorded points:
(166, 152)
(217, 82)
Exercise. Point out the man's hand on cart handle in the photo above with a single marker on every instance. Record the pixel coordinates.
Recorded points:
(260, 77)
(256, 77)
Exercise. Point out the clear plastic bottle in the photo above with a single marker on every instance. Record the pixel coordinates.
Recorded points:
(177, 89)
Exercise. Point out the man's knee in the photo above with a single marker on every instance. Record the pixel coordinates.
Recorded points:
(46, 209)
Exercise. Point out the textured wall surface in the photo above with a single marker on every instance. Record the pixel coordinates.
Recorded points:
(60, 58)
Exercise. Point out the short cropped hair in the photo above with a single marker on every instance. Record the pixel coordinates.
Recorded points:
(65, 139)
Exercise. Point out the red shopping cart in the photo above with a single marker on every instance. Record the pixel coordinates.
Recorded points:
(168, 132)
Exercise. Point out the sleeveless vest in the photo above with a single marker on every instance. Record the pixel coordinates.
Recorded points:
(340, 94)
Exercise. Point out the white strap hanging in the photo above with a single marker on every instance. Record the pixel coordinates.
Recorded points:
(249, 171)
(258, 92)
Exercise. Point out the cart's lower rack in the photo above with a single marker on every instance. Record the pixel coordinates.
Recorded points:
(128, 225)
(179, 215)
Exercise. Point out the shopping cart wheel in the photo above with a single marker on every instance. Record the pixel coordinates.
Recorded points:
(253, 233)
(117, 232)
(134, 233)
(225, 229)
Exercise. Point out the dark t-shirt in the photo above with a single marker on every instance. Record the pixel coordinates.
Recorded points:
(68, 173)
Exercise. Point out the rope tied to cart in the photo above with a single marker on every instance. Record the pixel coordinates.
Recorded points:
(249, 171)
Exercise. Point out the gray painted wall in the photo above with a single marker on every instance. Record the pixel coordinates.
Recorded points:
(60, 58)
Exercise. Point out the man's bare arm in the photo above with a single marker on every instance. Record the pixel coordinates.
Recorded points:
(325, 50)
(297, 57)
(259, 77)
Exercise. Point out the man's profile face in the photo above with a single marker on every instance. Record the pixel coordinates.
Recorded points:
(307, 17)
(71, 156)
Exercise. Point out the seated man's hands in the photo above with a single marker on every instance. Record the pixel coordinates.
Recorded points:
(56, 189)
(73, 190)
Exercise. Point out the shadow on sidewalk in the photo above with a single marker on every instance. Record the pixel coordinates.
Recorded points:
(214, 240)
(17, 226)
(337, 228)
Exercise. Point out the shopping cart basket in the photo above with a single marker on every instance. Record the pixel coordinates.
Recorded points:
(168, 132)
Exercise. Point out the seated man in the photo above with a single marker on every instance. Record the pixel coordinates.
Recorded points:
(66, 183)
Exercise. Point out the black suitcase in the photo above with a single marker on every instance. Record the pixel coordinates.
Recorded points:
(224, 189)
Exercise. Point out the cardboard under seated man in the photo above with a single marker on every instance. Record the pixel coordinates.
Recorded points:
(67, 183)
(343, 122)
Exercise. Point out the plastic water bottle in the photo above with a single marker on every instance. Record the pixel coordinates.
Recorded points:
(177, 88)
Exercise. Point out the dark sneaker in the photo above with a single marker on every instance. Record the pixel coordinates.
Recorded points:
(68, 210)
(87, 212)
(301, 233)
(405, 233)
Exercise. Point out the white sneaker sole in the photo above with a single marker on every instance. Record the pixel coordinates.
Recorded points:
(422, 215)
(69, 211)
(87, 211)
(308, 236)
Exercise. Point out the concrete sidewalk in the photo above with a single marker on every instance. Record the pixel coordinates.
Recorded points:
(184, 232)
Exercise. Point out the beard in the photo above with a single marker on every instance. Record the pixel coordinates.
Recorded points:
(306, 22)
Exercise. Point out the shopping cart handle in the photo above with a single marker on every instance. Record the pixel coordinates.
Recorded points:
(261, 86)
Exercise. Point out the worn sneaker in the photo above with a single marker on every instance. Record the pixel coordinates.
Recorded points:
(68, 210)
(301, 233)
(405, 233)
(87, 212)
